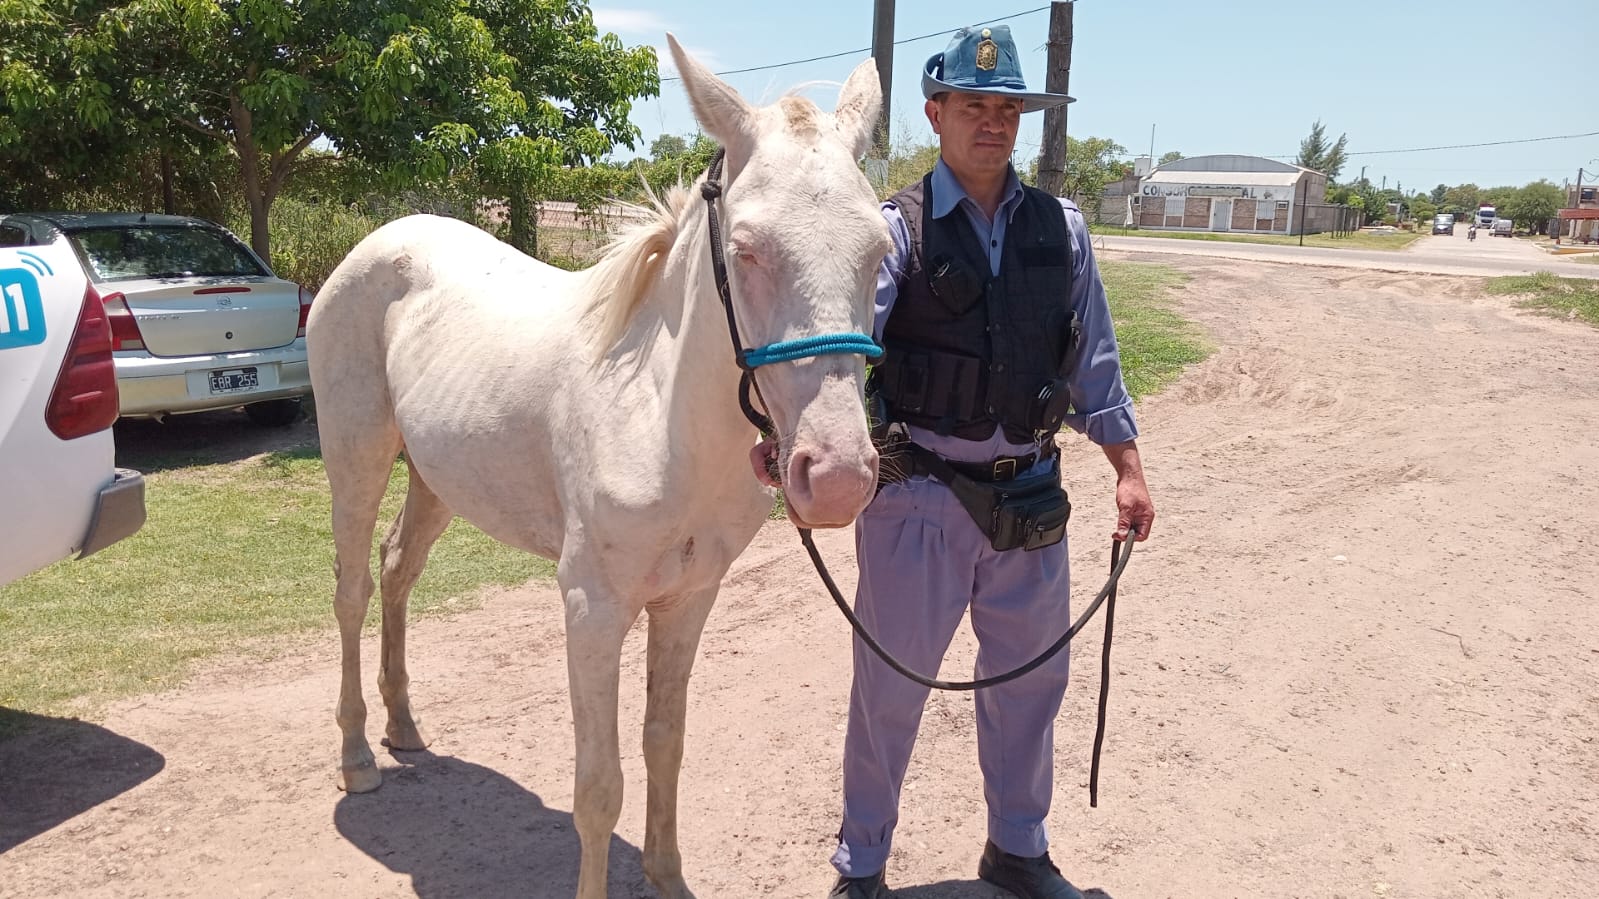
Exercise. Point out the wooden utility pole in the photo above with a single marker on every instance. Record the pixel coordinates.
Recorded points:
(883, 53)
(1052, 155)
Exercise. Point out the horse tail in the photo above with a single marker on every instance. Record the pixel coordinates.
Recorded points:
(620, 281)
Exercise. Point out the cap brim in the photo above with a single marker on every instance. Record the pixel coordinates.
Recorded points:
(1031, 102)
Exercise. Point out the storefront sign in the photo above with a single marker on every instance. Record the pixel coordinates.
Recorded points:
(1214, 190)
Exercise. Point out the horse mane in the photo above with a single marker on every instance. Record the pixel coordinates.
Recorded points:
(620, 281)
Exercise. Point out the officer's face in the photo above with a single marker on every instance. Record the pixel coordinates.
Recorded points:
(976, 132)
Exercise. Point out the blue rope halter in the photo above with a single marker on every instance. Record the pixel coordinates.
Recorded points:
(806, 347)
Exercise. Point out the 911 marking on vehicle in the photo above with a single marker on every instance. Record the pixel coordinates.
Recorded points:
(22, 322)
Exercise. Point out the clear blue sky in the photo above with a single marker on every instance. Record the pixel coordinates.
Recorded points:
(1227, 77)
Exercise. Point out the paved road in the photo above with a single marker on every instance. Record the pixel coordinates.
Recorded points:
(1486, 256)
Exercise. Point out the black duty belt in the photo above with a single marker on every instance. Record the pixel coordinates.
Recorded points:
(1004, 468)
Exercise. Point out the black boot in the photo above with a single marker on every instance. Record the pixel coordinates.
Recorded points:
(872, 887)
(1028, 878)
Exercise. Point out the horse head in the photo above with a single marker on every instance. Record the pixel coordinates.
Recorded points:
(804, 239)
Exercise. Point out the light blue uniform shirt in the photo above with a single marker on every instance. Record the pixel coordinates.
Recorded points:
(1101, 408)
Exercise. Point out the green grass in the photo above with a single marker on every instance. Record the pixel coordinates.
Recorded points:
(1566, 297)
(229, 553)
(1156, 343)
(1358, 241)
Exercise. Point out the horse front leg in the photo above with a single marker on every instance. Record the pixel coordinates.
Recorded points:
(674, 638)
(595, 627)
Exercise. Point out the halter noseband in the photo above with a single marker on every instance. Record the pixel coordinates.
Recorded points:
(782, 351)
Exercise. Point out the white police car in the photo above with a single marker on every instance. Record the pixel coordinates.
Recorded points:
(60, 490)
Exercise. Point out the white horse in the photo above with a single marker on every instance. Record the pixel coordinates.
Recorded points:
(592, 417)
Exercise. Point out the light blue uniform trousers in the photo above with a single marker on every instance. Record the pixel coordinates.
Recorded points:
(922, 562)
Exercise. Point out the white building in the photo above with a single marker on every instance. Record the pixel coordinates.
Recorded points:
(1233, 193)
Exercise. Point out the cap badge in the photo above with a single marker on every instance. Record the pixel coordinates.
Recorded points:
(987, 55)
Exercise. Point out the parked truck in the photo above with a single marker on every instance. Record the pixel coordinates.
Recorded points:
(1502, 228)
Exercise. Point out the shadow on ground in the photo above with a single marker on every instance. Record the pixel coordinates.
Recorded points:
(971, 889)
(206, 438)
(463, 830)
(54, 769)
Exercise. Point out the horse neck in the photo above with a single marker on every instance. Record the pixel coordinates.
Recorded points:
(698, 372)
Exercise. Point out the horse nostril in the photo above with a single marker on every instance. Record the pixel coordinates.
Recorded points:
(799, 471)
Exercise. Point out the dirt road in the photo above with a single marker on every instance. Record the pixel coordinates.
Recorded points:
(1484, 257)
(1358, 659)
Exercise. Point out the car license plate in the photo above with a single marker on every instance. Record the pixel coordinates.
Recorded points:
(235, 380)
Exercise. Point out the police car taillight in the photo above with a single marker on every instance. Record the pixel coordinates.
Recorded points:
(305, 310)
(85, 399)
(124, 327)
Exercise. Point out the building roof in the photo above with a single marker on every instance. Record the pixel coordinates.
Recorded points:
(1230, 162)
(1580, 214)
(1243, 179)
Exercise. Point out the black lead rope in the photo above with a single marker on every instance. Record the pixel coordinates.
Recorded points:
(1106, 597)
(1104, 671)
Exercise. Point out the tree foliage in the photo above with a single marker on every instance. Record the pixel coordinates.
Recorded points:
(1092, 163)
(1462, 198)
(512, 89)
(1317, 154)
(1169, 156)
(668, 146)
(1534, 205)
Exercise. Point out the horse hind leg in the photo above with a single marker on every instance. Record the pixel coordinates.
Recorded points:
(673, 640)
(404, 553)
(358, 466)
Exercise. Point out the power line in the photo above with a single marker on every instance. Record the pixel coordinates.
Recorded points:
(920, 37)
(1491, 143)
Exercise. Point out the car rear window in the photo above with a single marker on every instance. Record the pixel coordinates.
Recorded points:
(145, 251)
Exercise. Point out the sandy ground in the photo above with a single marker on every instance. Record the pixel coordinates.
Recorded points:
(1356, 660)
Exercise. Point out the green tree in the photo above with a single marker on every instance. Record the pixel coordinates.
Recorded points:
(1438, 193)
(667, 146)
(1316, 154)
(908, 163)
(1092, 163)
(514, 88)
(1499, 198)
(1169, 156)
(1374, 202)
(1462, 199)
(1534, 205)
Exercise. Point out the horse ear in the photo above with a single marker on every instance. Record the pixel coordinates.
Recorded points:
(719, 109)
(859, 104)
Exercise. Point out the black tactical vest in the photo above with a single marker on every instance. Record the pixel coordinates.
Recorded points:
(965, 350)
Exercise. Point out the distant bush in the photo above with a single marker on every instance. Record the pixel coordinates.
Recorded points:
(310, 239)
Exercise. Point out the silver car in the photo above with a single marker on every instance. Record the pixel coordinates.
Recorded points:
(198, 321)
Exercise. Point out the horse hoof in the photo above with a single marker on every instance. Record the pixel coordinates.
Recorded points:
(669, 886)
(405, 738)
(362, 778)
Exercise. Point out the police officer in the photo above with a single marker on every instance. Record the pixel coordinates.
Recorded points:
(976, 307)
